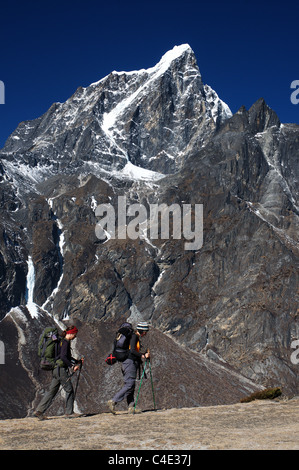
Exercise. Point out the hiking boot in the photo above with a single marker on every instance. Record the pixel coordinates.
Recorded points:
(39, 415)
(132, 410)
(111, 404)
(73, 415)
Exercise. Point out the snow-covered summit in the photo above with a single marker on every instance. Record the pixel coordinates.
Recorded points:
(152, 118)
(161, 66)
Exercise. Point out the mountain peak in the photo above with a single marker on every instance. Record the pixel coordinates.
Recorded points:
(177, 52)
(261, 116)
(151, 118)
(182, 52)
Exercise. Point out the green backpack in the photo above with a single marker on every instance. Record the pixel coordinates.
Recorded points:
(49, 348)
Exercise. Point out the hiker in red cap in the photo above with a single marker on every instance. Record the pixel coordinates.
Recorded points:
(61, 376)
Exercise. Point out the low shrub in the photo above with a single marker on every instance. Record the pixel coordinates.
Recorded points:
(267, 394)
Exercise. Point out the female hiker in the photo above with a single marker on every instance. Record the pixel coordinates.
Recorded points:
(61, 376)
(129, 369)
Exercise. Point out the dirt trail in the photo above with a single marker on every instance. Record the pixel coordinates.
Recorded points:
(260, 425)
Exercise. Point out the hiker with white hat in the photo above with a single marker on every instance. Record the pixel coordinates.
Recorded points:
(129, 369)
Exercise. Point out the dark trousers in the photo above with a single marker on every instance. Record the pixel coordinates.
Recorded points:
(59, 377)
(129, 371)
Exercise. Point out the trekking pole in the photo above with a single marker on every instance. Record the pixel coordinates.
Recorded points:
(62, 386)
(81, 364)
(143, 372)
(150, 368)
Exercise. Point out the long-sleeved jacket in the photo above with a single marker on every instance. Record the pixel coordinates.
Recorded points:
(135, 347)
(65, 358)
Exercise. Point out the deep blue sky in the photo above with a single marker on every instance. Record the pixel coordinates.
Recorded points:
(245, 49)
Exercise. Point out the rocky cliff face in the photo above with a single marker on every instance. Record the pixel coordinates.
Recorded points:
(154, 136)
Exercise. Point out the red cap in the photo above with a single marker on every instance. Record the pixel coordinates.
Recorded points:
(72, 331)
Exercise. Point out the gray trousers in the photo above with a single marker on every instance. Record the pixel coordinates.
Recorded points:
(59, 377)
(129, 371)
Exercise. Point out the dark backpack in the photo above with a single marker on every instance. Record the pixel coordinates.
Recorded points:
(121, 344)
(49, 348)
